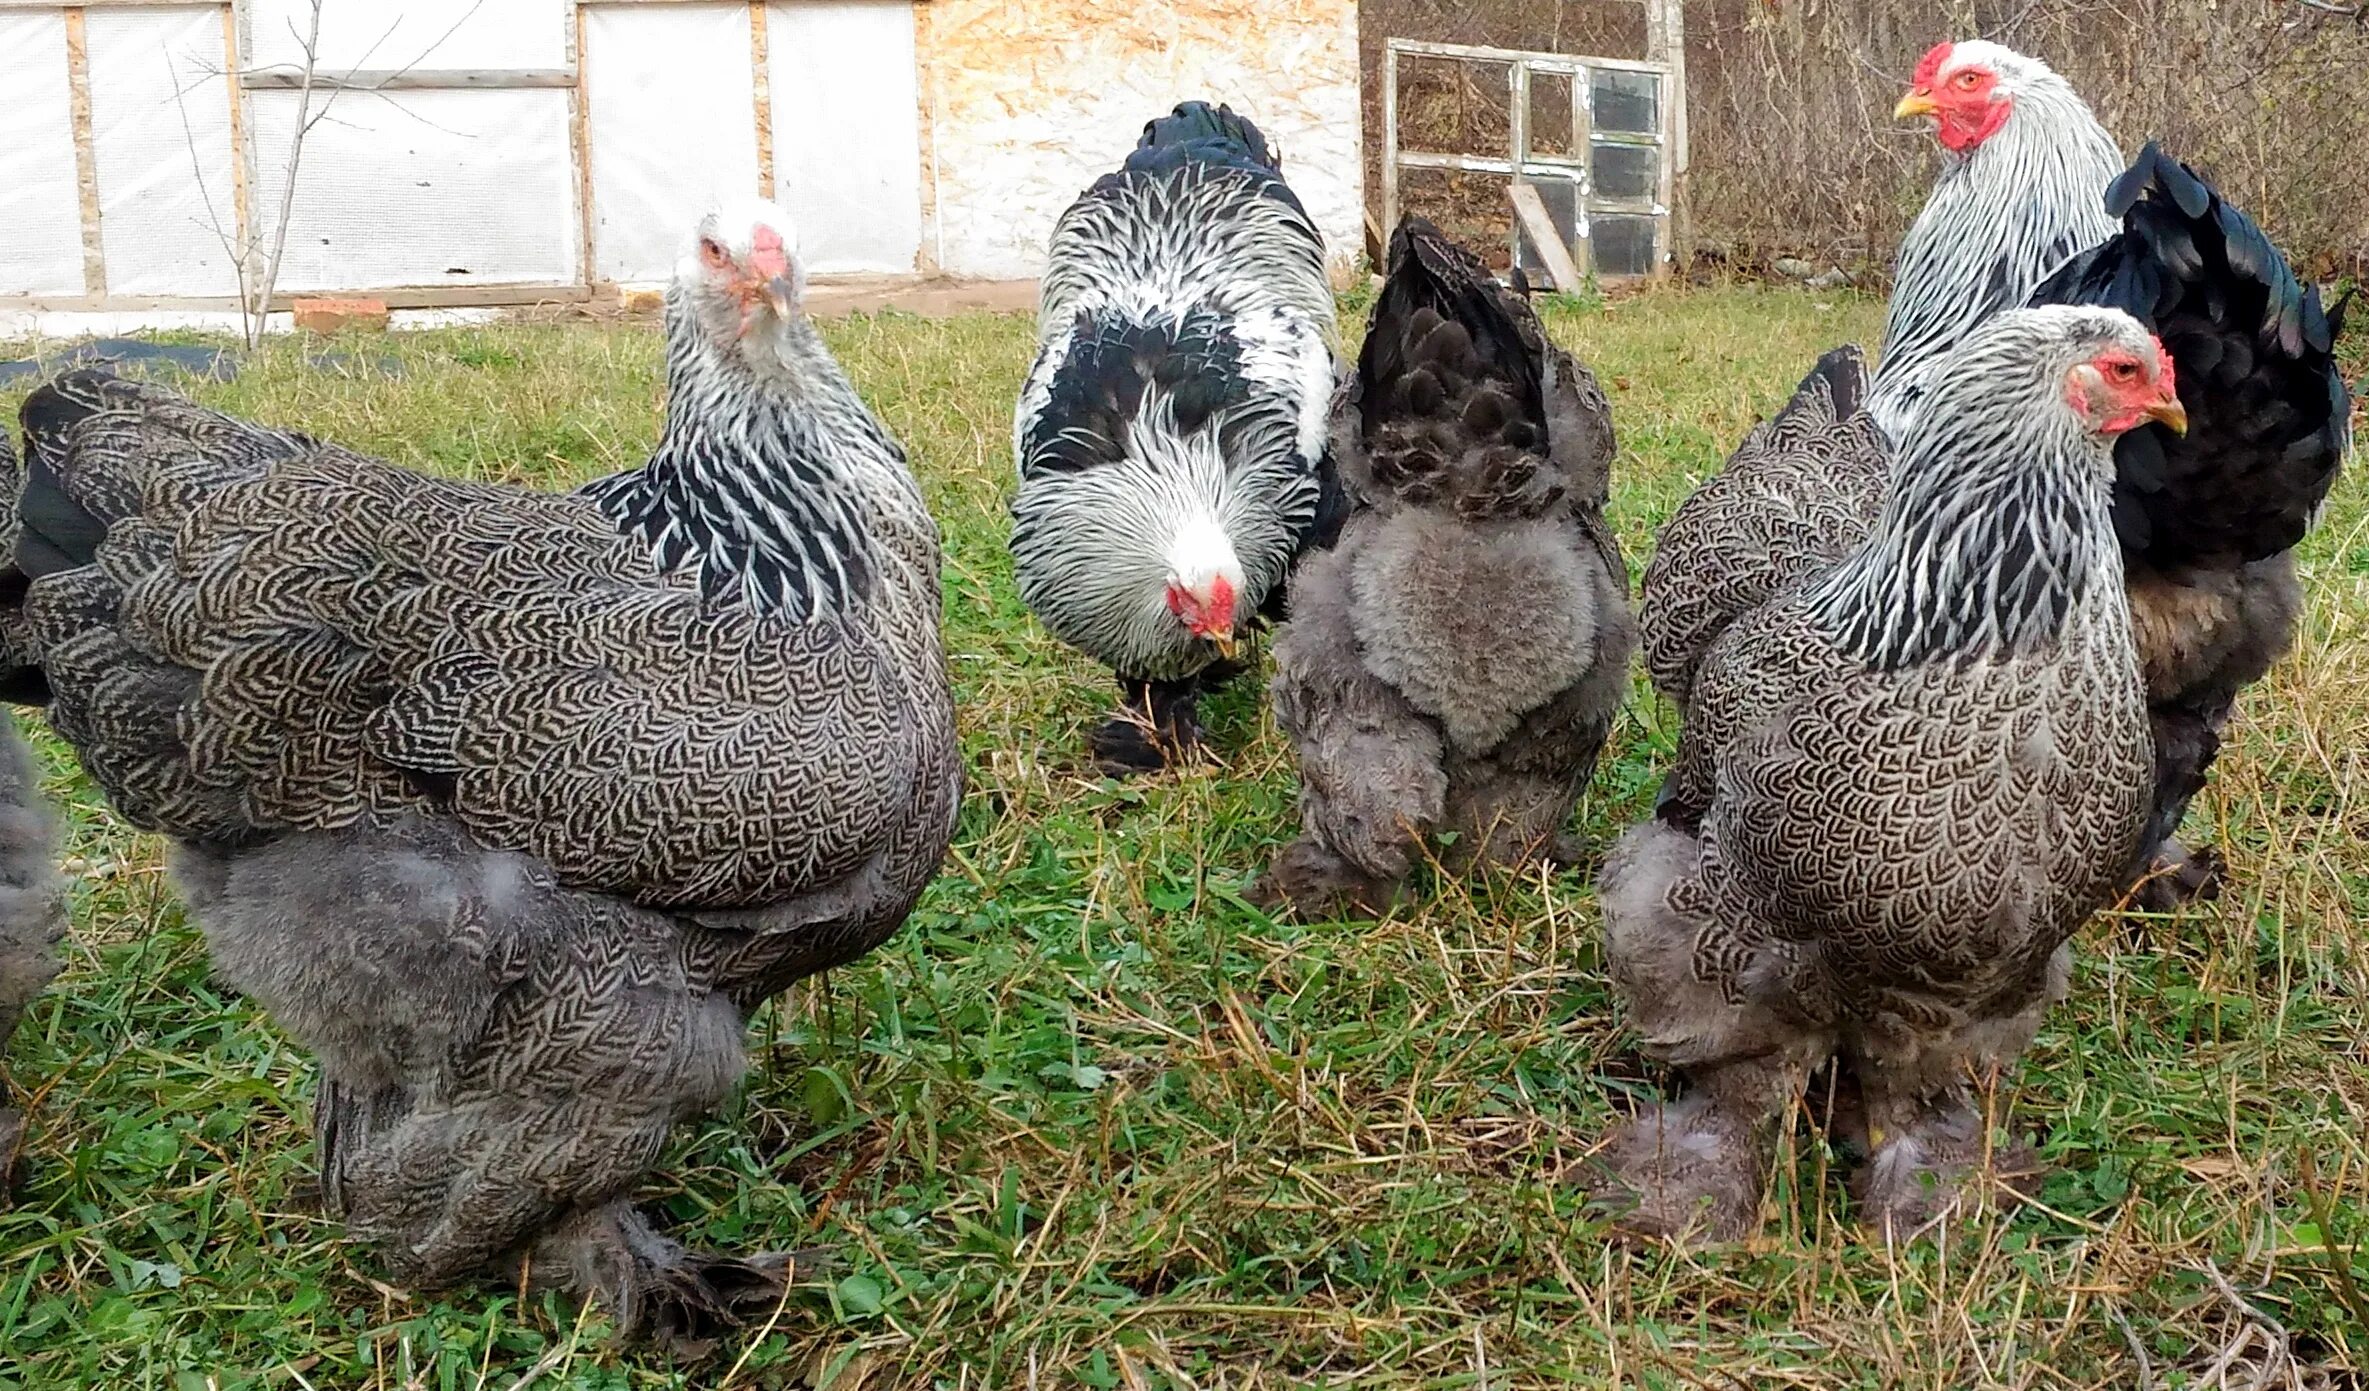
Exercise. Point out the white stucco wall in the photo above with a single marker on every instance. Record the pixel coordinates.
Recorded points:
(1029, 103)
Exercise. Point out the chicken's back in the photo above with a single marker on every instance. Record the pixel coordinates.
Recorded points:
(1800, 491)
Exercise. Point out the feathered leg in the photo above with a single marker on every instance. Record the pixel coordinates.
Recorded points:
(2203, 637)
(1697, 993)
(32, 913)
(1510, 809)
(1929, 1146)
(1157, 724)
(502, 1058)
(1371, 782)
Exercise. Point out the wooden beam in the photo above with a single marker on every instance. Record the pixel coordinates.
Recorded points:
(1556, 61)
(410, 79)
(761, 86)
(105, 4)
(86, 156)
(1530, 212)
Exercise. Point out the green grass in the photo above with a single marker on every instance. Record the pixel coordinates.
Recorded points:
(1090, 1121)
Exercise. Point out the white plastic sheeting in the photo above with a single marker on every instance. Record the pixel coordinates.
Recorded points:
(672, 116)
(847, 131)
(40, 208)
(160, 130)
(382, 36)
(404, 188)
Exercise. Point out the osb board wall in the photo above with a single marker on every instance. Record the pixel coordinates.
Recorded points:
(1029, 103)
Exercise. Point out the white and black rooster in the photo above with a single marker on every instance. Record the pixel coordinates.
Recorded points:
(1171, 436)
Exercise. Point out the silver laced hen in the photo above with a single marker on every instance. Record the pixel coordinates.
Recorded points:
(511, 806)
(1170, 438)
(2207, 521)
(1902, 784)
(1454, 662)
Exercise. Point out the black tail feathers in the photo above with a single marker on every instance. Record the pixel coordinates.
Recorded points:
(57, 532)
(1206, 129)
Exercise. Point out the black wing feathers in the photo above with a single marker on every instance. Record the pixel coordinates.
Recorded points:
(2252, 348)
(1114, 366)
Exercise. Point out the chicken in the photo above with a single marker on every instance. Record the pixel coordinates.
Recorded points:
(1170, 437)
(2023, 164)
(1903, 782)
(2206, 521)
(1478, 458)
(511, 806)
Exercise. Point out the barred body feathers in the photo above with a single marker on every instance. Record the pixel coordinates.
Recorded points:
(511, 804)
(1902, 783)
(1478, 457)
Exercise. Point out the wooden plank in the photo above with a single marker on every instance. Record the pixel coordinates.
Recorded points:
(1666, 43)
(761, 86)
(1425, 49)
(1517, 108)
(931, 256)
(1472, 164)
(1530, 212)
(86, 160)
(285, 79)
(105, 4)
(415, 297)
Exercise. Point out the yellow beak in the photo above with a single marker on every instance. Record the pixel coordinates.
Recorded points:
(1225, 644)
(1918, 103)
(2171, 413)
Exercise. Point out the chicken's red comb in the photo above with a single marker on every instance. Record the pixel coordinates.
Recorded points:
(1929, 66)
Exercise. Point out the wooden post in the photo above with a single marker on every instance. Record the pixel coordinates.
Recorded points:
(1517, 94)
(761, 82)
(242, 197)
(1389, 148)
(86, 156)
(580, 147)
(1665, 43)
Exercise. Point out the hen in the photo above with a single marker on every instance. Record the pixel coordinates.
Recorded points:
(1170, 437)
(509, 805)
(1454, 662)
(2206, 520)
(1903, 783)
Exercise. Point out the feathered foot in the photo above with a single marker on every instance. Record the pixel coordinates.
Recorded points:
(1932, 1166)
(2175, 876)
(1318, 884)
(1158, 725)
(659, 1289)
(1686, 1171)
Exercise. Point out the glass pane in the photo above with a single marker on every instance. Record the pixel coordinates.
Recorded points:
(1561, 197)
(1625, 171)
(1550, 114)
(1628, 101)
(1452, 107)
(1623, 244)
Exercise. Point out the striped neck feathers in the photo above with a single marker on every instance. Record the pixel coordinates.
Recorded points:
(1996, 534)
(771, 479)
(1096, 548)
(2000, 218)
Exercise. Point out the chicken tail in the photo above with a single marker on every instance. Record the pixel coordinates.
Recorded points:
(1210, 131)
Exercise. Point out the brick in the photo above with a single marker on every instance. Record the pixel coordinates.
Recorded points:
(326, 316)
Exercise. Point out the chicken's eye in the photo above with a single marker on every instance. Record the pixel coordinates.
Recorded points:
(2122, 371)
(1968, 80)
(711, 252)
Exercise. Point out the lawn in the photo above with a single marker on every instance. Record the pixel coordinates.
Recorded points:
(1090, 1120)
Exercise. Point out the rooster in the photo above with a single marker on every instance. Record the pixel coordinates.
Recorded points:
(511, 806)
(1478, 457)
(2207, 520)
(1903, 782)
(1170, 437)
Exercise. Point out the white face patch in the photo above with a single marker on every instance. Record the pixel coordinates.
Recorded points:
(1201, 552)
